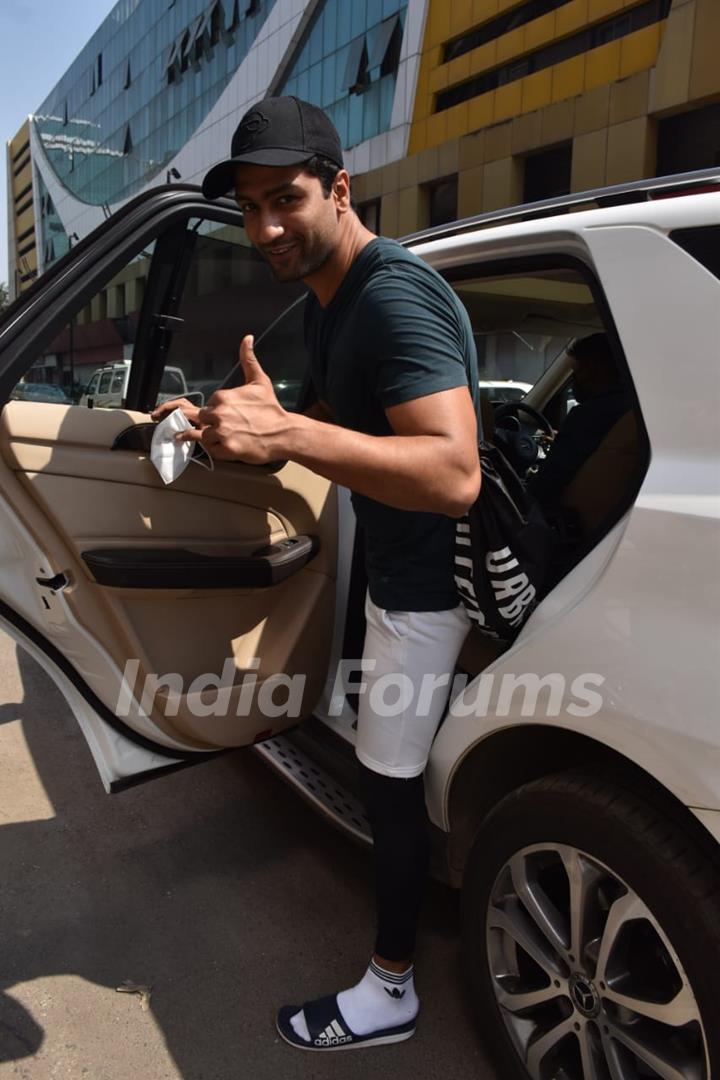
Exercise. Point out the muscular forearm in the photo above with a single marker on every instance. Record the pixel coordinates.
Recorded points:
(411, 472)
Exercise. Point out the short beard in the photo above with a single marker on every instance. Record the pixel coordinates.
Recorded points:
(307, 266)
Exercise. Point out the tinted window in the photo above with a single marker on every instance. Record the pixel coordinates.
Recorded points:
(703, 244)
(102, 332)
(171, 383)
(229, 292)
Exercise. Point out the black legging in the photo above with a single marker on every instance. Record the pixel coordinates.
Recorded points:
(398, 819)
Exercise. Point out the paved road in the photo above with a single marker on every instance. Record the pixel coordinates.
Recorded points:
(216, 886)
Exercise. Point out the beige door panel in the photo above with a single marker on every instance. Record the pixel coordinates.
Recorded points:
(96, 497)
(263, 633)
(79, 447)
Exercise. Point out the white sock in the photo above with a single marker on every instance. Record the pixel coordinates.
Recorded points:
(380, 1000)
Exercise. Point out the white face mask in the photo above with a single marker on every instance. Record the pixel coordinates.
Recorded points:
(169, 457)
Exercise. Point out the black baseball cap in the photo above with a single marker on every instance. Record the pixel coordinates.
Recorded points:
(276, 131)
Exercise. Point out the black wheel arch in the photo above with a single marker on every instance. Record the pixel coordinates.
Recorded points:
(506, 760)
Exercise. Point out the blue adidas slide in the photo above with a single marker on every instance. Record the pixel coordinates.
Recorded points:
(328, 1030)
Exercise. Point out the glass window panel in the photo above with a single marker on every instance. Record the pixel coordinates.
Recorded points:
(387, 97)
(230, 291)
(98, 336)
(329, 88)
(315, 87)
(371, 111)
(358, 18)
(329, 28)
(339, 114)
(303, 84)
(355, 119)
(374, 12)
(316, 43)
(344, 22)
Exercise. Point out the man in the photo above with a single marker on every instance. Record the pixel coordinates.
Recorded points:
(392, 363)
(602, 399)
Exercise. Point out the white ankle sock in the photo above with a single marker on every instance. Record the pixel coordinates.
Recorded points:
(380, 1000)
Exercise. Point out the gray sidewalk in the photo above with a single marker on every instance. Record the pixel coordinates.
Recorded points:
(216, 886)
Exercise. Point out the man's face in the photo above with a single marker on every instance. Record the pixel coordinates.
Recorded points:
(288, 218)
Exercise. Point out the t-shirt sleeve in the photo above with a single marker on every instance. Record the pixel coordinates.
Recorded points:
(415, 334)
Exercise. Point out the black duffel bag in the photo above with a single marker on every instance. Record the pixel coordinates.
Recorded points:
(503, 550)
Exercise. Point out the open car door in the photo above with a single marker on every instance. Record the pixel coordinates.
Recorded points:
(177, 620)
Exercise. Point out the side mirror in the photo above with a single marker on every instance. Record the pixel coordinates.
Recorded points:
(91, 403)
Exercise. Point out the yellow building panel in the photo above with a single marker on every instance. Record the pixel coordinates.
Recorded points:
(639, 51)
(480, 112)
(568, 78)
(705, 70)
(458, 69)
(437, 128)
(418, 137)
(438, 24)
(571, 17)
(25, 221)
(537, 90)
(602, 65)
(505, 5)
(601, 9)
(461, 16)
(510, 45)
(439, 78)
(423, 93)
(21, 181)
(508, 101)
(28, 261)
(22, 137)
(457, 120)
(484, 10)
(540, 32)
(483, 58)
(670, 83)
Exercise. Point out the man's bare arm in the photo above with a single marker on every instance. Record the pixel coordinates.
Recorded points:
(430, 463)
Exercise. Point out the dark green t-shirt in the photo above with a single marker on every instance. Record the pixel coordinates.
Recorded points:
(394, 331)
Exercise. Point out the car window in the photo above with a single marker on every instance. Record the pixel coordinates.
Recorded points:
(172, 383)
(102, 332)
(524, 322)
(544, 326)
(229, 292)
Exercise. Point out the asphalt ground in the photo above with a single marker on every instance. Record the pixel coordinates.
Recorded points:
(217, 887)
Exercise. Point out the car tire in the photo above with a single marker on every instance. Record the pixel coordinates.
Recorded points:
(645, 977)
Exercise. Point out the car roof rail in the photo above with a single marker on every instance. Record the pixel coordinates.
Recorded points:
(658, 187)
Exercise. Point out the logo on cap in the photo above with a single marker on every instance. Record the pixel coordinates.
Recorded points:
(252, 126)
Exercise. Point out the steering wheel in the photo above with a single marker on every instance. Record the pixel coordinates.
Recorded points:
(519, 445)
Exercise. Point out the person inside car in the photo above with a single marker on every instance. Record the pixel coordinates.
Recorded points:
(394, 371)
(602, 398)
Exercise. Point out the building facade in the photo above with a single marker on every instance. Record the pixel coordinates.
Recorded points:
(445, 108)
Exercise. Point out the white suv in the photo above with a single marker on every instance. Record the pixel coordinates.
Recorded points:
(574, 785)
(107, 387)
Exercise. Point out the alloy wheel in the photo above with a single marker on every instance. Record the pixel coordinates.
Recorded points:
(587, 981)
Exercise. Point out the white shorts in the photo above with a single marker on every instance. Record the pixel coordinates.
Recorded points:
(406, 688)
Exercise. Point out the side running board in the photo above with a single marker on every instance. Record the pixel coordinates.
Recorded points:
(316, 786)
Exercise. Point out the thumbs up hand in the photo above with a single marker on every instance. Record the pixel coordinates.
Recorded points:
(246, 423)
